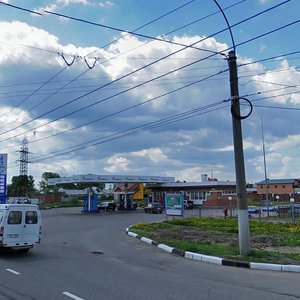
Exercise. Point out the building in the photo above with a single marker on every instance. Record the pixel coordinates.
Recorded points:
(279, 189)
(206, 193)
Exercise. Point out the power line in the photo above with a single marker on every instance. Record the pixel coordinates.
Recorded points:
(128, 32)
(119, 79)
(20, 8)
(90, 67)
(107, 116)
(116, 80)
(133, 106)
(137, 129)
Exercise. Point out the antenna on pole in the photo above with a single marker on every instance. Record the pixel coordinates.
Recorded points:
(265, 166)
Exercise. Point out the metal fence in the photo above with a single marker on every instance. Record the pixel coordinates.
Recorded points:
(287, 213)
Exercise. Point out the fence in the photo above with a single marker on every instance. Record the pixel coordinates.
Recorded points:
(287, 213)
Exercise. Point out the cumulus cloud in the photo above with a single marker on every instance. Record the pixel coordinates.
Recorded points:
(106, 4)
(181, 132)
(59, 4)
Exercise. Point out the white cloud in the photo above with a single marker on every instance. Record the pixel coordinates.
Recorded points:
(118, 164)
(155, 154)
(59, 4)
(282, 81)
(69, 2)
(106, 4)
(263, 1)
(183, 149)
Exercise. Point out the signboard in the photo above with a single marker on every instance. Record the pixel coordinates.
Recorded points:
(174, 204)
(3, 174)
(111, 178)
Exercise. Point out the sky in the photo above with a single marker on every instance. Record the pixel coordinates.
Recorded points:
(142, 87)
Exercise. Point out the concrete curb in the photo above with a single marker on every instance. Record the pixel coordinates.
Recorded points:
(217, 260)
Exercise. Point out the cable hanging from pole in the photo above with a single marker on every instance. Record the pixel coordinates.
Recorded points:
(235, 98)
(68, 63)
(93, 64)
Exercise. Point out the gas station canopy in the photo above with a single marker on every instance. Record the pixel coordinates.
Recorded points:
(110, 179)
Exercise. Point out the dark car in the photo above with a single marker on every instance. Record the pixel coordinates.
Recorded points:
(188, 204)
(121, 207)
(154, 208)
(107, 205)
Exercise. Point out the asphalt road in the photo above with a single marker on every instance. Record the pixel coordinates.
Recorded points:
(90, 257)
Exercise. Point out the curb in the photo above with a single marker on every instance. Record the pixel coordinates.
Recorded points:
(217, 260)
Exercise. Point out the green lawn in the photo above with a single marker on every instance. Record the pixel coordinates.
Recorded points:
(270, 242)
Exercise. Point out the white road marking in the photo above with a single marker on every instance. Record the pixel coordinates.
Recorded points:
(72, 296)
(13, 271)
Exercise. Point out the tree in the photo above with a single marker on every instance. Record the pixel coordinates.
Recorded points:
(21, 186)
(44, 183)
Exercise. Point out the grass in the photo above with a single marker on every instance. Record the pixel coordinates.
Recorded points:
(270, 242)
(72, 203)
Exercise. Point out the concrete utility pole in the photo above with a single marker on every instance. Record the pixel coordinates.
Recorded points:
(243, 220)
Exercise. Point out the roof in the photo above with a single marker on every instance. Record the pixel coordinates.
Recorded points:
(195, 184)
(277, 181)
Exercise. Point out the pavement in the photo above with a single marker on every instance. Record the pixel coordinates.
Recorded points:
(216, 260)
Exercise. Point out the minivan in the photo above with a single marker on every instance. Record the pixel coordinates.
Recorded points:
(20, 226)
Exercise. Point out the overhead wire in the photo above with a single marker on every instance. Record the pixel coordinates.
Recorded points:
(267, 10)
(137, 129)
(165, 81)
(145, 127)
(94, 103)
(105, 99)
(149, 100)
(130, 107)
(78, 57)
(20, 8)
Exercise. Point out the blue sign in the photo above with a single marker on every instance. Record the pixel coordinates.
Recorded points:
(174, 204)
(3, 174)
(2, 188)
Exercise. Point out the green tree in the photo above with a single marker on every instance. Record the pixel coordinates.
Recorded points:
(21, 186)
(43, 184)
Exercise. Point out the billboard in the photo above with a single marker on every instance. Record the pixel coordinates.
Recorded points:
(3, 175)
(174, 204)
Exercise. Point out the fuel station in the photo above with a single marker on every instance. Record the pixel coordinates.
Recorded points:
(90, 196)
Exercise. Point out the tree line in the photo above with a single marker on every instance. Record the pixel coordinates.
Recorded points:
(24, 185)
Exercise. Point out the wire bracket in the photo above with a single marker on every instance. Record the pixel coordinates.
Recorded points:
(236, 115)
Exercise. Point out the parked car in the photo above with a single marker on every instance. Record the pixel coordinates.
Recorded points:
(121, 207)
(188, 204)
(154, 208)
(107, 205)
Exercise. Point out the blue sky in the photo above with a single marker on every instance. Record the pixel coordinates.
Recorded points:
(108, 119)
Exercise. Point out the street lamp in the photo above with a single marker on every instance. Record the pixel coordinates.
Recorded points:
(230, 207)
(277, 198)
(292, 200)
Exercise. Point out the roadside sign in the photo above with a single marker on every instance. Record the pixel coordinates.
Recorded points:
(174, 204)
(3, 174)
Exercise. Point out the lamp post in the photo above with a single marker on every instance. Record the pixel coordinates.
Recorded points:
(292, 200)
(230, 207)
(277, 198)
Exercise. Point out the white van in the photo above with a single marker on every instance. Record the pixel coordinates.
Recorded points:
(20, 226)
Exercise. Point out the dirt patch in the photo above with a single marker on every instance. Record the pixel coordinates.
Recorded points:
(189, 233)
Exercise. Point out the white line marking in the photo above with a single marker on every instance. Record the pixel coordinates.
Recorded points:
(13, 271)
(72, 296)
